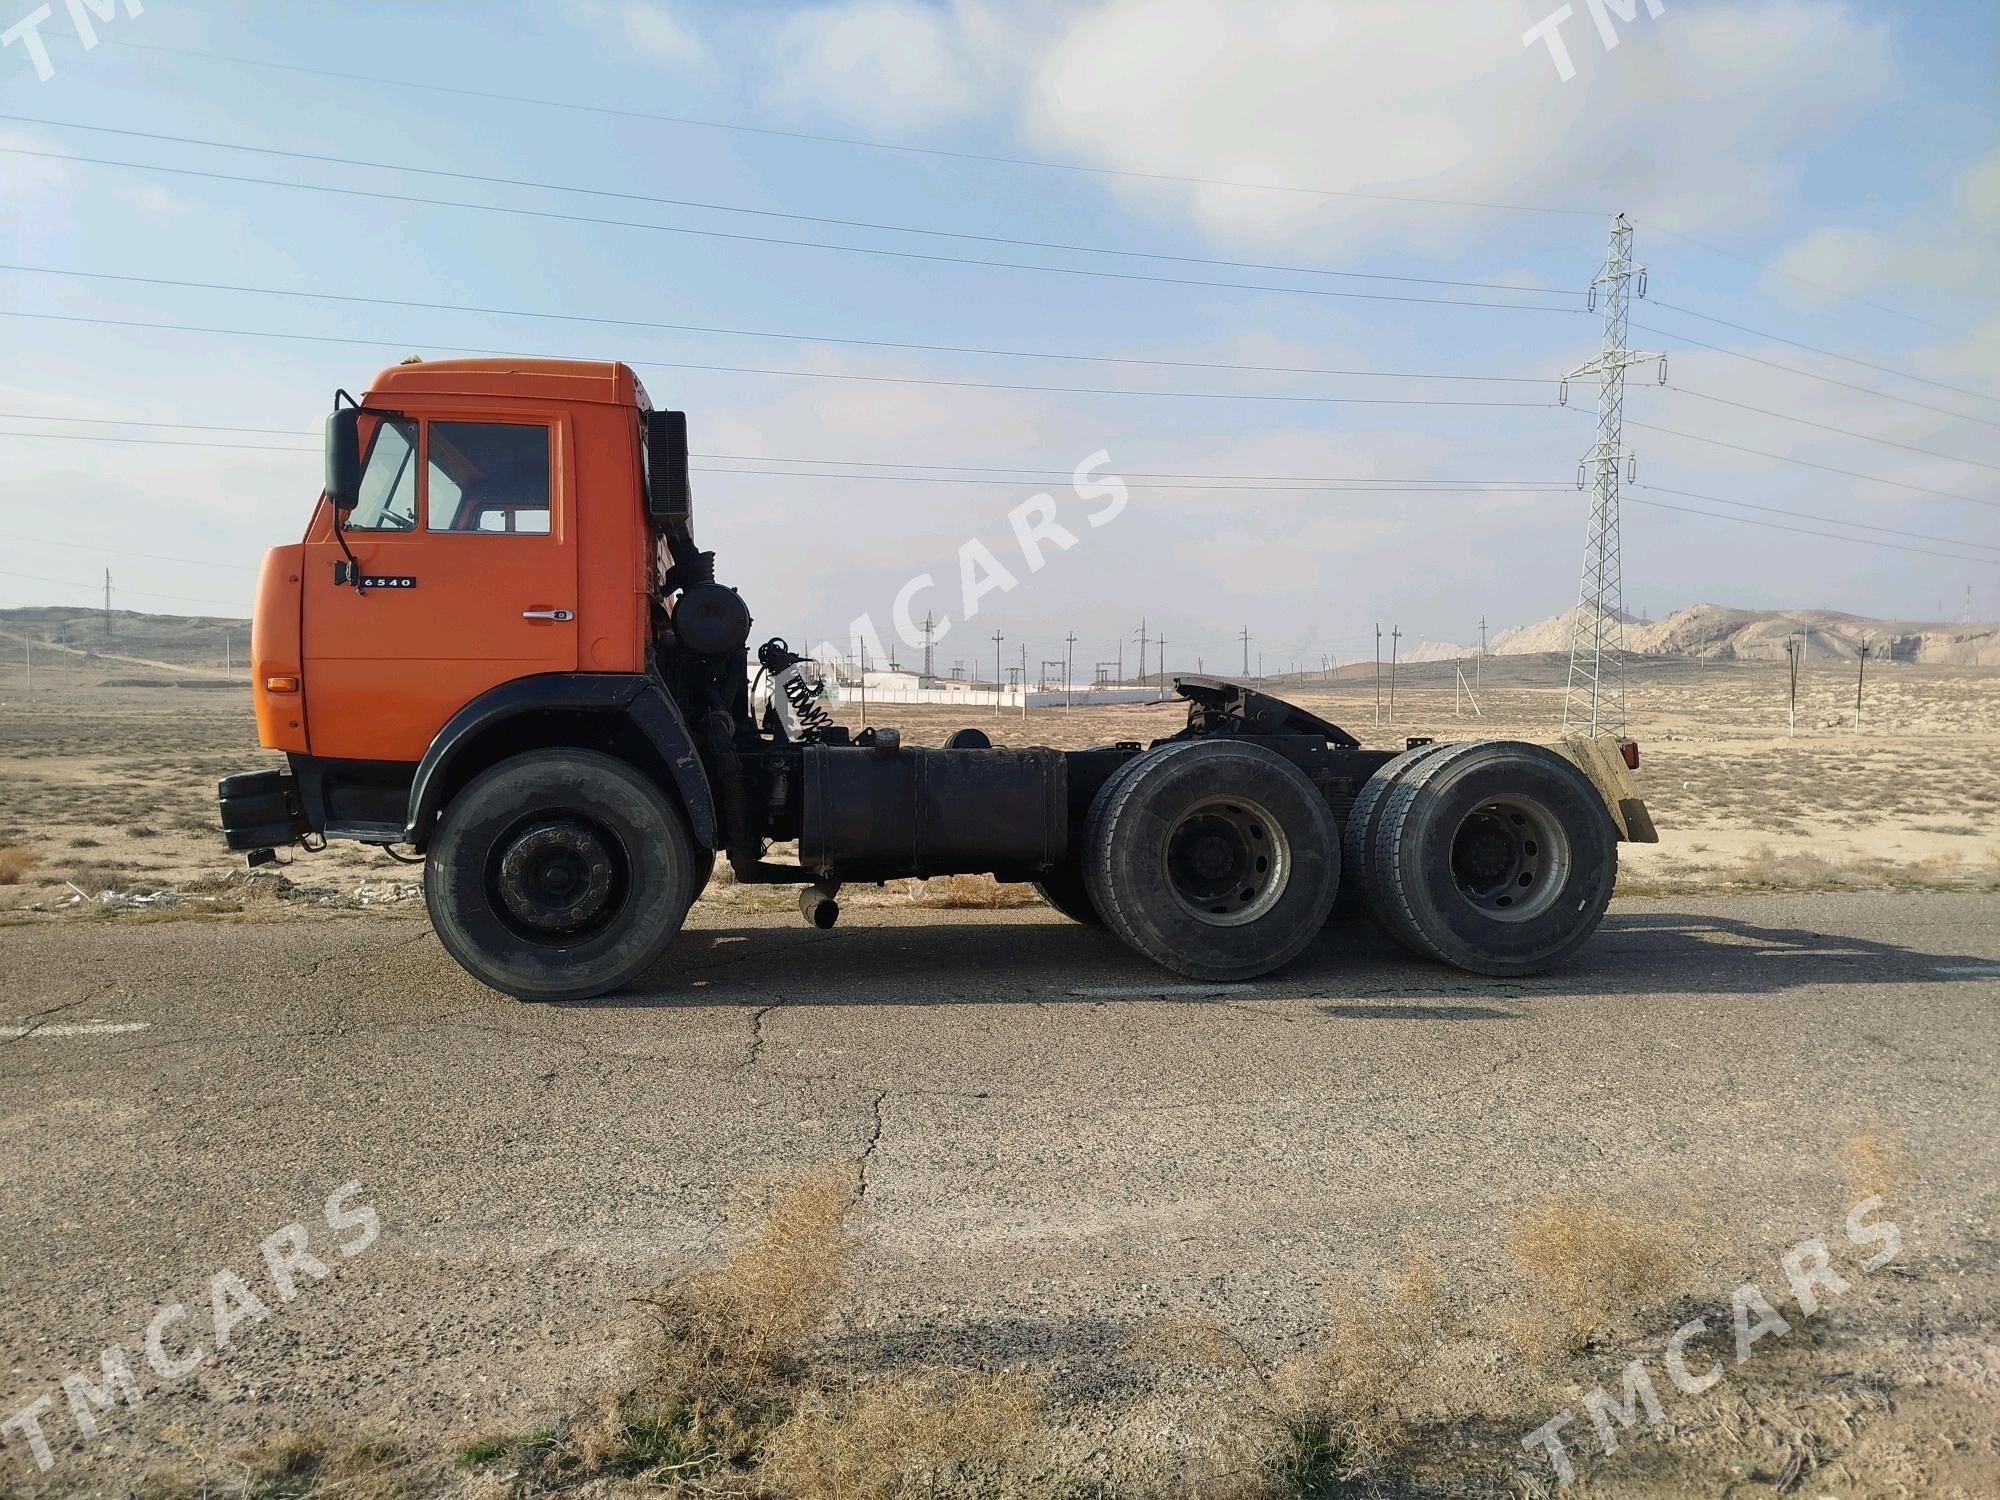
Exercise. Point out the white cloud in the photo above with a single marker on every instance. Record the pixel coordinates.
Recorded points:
(653, 29)
(1698, 118)
(889, 64)
(1937, 248)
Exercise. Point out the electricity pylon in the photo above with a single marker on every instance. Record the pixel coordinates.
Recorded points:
(1594, 703)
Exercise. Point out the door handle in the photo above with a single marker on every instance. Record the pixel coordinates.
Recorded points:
(547, 614)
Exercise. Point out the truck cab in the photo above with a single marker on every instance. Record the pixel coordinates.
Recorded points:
(498, 646)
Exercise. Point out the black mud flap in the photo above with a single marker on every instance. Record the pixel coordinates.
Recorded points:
(260, 810)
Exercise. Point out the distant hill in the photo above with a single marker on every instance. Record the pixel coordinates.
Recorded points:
(183, 643)
(1716, 632)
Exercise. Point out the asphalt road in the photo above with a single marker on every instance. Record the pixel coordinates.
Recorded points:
(1053, 1140)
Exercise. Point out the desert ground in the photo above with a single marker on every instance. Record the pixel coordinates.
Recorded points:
(961, 1198)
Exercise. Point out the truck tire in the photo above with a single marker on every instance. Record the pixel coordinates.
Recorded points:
(1214, 858)
(1062, 886)
(1066, 887)
(1357, 838)
(1496, 856)
(559, 875)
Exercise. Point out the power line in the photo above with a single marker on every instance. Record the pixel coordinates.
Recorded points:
(548, 214)
(1338, 487)
(1845, 385)
(1360, 487)
(1040, 163)
(1024, 474)
(198, 562)
(1818, 286)
(1828, 353)
(1803, 515)
(94, 588)
(99, 437)
(1826, 535)
(1824, 468)
(771, 213)
(803, 338)
(1847, 432)
(36, 416)
(1064, 474)
(658, 364)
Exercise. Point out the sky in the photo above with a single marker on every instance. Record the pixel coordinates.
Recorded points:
(1814, 188)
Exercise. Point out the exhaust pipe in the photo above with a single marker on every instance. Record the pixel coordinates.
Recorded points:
(817, 906)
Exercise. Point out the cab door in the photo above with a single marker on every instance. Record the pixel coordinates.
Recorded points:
(465, 540)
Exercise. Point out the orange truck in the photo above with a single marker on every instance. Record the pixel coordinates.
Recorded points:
(499, 647)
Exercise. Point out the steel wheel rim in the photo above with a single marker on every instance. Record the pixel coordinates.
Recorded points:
(558, 877)
(1226, 861)
(1510, 858)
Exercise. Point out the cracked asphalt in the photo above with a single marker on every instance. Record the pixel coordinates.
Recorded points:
(1043, 1169)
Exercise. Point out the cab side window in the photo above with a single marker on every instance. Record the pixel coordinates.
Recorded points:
(489, 476)
(388, 500)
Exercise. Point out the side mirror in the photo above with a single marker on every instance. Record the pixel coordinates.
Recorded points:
(343, 457)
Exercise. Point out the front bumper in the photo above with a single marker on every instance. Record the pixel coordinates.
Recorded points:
(261, 810)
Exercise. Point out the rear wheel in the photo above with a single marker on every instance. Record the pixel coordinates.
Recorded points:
(1496, 856)
(558, 875)
(1213, 858)
(1358, 837)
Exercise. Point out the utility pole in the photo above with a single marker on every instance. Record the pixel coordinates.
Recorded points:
(1161, 642)
(1480, 659)
(1792, 650)
(1395, 639)
(929, 628)
(1378, 675)
(1069, 670)
(1245, 638)
(1594, 702)
(1860, 676)
(1024, 681)
(999, 672)
(1142, 651)
(107, 604)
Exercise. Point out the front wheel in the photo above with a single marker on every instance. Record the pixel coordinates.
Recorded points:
(559, 875)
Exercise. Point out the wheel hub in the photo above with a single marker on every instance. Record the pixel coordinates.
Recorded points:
(557, 876)
(1227, 862)
(1509, 858)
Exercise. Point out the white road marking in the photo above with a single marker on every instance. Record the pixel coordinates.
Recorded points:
(1983, 971)
(74, 1028)
(1163, 991)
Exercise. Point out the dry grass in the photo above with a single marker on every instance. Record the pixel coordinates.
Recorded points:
(976, 892)
(306, 1465)
(722, 1336)
(726, 1398)
(1349, 1405)
(16, 862)
(1875, 1164)
(1583, 1266)
(927, 1433)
